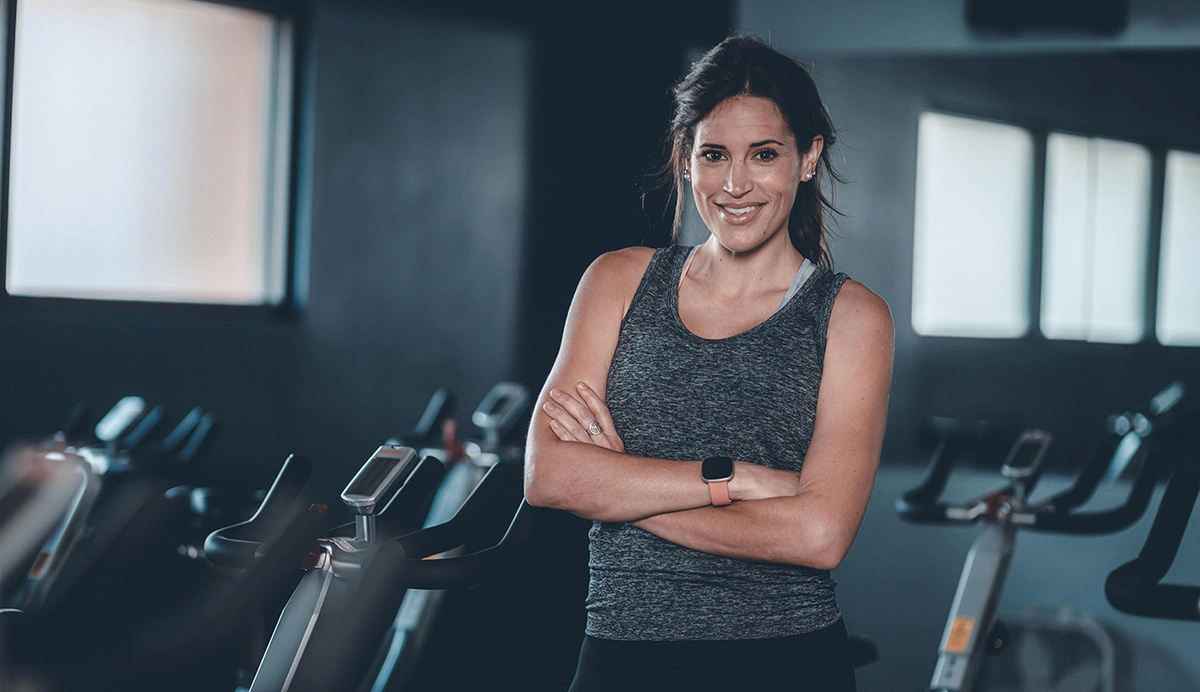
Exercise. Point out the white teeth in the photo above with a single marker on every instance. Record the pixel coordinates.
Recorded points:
(742, 211)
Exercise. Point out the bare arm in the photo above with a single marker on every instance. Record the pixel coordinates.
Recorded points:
(565, 469)
(817, 526)
(815, 520)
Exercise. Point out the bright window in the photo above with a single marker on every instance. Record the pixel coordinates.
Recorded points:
(971, 251)
(1096, 227)
(1178, 278)
(149, 142)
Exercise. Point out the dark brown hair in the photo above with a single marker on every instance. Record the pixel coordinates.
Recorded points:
(745, 66)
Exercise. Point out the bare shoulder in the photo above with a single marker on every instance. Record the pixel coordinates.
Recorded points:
(615, 275)
(859, 314)
(621, 266)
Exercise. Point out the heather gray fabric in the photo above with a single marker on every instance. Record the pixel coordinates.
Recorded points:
(674, 395)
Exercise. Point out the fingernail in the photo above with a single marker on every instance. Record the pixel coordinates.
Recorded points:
(581, 385)
(548, 406)
(555, 392)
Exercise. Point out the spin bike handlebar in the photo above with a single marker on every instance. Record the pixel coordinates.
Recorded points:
(1129, 441)
(1135, 587)
(477, 508)
(920, 504)
(428, 430)
(240, 545)
(1024, 467)
(470, 569)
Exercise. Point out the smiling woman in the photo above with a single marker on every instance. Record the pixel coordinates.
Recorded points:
(718, 411)
(745, 170)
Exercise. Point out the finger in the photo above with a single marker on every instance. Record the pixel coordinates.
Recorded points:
(598, 408)
(577, 408)
(564, 418)
(566, 421)
(560, 431)
(587, 415)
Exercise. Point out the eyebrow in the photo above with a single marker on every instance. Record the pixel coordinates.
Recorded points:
(707, 145)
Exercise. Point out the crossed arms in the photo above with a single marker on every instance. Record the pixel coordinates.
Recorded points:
(807, 518)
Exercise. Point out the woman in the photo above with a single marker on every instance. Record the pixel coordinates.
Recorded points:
(718, 412)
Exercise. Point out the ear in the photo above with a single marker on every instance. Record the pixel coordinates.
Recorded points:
(814, 151)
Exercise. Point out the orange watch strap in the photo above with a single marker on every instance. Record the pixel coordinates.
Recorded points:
(718, 491)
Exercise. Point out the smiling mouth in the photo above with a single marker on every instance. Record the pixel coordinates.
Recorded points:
(740, 212)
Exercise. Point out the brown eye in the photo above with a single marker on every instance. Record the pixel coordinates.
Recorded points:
(766, 155)
(711, 155)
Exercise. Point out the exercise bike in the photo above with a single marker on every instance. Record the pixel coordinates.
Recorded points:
(122, 450)
(971, 629)
(329, 632)
(498, 417)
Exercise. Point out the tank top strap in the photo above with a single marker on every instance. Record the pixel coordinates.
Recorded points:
(651, 299)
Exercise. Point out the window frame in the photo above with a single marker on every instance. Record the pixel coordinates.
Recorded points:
(295, 19)
(1040, 130)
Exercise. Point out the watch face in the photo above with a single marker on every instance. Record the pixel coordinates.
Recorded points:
(717, 469)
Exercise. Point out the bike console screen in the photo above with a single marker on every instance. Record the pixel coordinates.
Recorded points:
(377, 475)
(1027, 455)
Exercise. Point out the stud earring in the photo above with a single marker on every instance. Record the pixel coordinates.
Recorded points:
(810, 175)
(687, 175)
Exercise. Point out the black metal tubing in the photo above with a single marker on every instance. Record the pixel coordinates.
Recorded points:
(1055, 513)
(466, 570)
(459, 529)
(1135, 586)
(920, 505)
(1107, 521)
(239, 546)
(1088, 479)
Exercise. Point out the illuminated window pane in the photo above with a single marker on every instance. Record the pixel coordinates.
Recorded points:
(971, 252)
(1095, 234)
(145, 152)
(1178, 279)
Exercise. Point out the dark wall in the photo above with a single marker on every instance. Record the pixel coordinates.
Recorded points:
(420, 176)
(1066, 387)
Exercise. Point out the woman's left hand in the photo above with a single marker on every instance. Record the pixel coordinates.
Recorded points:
(583, 419)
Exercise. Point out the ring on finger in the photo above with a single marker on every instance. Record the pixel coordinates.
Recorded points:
(594, 428)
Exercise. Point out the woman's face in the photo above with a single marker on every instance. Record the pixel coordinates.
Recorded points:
(745, 168)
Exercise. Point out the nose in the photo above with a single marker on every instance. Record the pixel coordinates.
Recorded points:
(737, 179)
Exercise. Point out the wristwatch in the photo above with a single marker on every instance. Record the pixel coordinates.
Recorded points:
(717, 472)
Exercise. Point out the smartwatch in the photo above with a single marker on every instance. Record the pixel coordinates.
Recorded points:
(717, 472)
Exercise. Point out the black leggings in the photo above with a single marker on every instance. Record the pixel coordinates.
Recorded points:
(817, 661)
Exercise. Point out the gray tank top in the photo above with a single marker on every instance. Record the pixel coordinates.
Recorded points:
(675, 395)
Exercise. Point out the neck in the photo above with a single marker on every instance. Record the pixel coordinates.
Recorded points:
(768, 267)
